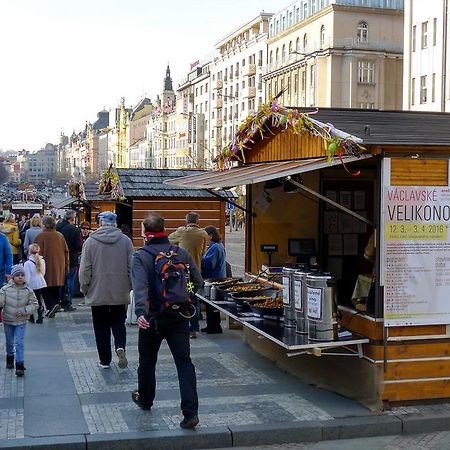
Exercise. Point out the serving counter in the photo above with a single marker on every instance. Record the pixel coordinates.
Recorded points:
(295, 344)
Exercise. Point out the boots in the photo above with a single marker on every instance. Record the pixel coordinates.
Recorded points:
(40, 312)
(31, 318)
(10, 361)
(20, 369)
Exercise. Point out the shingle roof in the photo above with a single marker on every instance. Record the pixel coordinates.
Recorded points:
(389, 127)
(150, 183)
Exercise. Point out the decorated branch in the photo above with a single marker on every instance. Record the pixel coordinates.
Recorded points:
(109, 184)
(270, 118)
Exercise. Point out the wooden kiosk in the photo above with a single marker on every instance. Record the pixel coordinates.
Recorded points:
(132, 193)
(346, 178)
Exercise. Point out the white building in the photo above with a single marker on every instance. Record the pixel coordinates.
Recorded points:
(236, 72)
(426, 70)
(43, 164)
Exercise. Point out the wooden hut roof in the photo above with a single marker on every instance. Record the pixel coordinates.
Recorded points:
(378, 127)
(136, 183)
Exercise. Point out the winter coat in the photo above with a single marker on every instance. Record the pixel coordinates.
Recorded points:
(105, 267)
(56, 254)
(11, 231)
(6, 258)
(30, 234)
(35, 280)
(15, 298)
(213, 261)
(72, 235)
(193, 239)
(143, 270)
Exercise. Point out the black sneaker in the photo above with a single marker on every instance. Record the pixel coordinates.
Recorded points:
(53, 311)
(189, 422)
(136, 399)
(69, 308)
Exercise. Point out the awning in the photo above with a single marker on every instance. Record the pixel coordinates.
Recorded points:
(259, 172)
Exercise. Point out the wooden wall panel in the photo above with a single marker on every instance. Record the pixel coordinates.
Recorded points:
(419, 172)
(285, 146)
(422, 330)
(416, 390)
(414, 350)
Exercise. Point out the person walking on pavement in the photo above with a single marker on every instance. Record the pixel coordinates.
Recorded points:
(32, 232)
(18, 302)
(154, 325)
(34, 275)
(6, 259)
(72, 236)
(105, 280)
(213, 266)
(56, 254)
(194, 240)
(11, 230)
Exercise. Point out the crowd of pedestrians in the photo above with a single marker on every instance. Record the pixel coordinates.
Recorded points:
(41, 261)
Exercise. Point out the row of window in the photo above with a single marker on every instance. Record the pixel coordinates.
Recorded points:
(233, 70)
(424, 37)
(362, 36)
(423, 89)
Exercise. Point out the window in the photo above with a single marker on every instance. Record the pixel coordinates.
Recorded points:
(271, 57)
(424, 41)
(322, 36)
(289, 86)
(296, 83)
(297, 45)
(366, 72)
(434, 31)
(367, 105)
(414, 31)
(423, 89)
(312, 78)
(363, 33)
(305, 43)
(283, 53)
(433, 88)
(277, 54)
(290, 47)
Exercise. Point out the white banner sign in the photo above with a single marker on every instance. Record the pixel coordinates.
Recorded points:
(416, 255)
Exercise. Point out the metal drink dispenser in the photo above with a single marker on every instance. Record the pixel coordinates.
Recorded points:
(301, 305)
(288, 294)
(321, 311)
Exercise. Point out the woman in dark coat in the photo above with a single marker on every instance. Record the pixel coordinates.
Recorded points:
(56, 254)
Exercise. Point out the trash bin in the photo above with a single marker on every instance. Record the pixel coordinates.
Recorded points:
(288, 294)
(301, 305)
(321, 300)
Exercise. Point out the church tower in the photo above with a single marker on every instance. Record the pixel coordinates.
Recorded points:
(168, 95)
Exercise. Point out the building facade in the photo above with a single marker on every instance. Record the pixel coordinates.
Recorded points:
(42, 165)
(337, 53)
(236, 79)
(426, 69)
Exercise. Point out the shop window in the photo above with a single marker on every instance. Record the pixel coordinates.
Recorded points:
(363, 33)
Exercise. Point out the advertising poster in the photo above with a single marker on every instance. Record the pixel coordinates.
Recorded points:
(416, 256)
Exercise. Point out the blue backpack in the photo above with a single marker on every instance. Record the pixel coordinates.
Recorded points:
(172, 283)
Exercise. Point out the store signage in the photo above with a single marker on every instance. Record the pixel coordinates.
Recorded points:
(416, 255)
(286, 285)
(269, 248)
(298, 295)
(314, 303)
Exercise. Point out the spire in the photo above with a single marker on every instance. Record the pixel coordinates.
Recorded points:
(168, 80)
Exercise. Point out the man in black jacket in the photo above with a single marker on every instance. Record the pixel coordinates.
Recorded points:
(72, 236)
(154, 325)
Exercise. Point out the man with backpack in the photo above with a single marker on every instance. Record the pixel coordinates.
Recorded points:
(164, 277)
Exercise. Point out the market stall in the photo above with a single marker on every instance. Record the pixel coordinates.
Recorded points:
(363, 197)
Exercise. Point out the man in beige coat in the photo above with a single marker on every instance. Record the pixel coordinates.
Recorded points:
(195, 240)
(105, 280)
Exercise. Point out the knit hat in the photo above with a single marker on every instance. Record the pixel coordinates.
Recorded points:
(16, 270)
(107, 218)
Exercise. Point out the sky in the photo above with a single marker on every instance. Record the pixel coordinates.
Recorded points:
(62, 61)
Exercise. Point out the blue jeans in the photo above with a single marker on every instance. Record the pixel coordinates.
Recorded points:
(14, 336)
(67, 291)
(175, 330)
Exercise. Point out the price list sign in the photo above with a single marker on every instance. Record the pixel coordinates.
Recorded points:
(416, 255)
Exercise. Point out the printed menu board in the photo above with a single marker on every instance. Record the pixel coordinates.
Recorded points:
(416, 255)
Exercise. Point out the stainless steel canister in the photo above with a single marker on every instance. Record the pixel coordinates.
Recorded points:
(321, 311)
(207, 288)
(213, 293)
(288, 295)
(301, 305)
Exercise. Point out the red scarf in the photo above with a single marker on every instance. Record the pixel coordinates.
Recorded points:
(153, 234)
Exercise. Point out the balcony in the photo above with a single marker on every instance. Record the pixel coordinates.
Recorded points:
(219, 102)
(249, 92)
(249, 70)
(218, 84)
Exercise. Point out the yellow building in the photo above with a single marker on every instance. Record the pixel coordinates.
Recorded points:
(342, 55)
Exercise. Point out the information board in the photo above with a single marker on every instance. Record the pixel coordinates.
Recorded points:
(416, 255)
